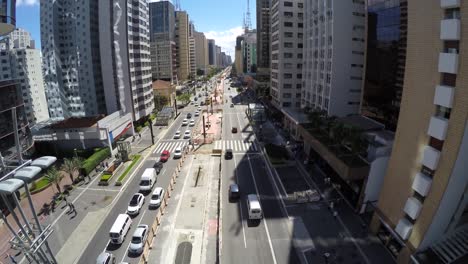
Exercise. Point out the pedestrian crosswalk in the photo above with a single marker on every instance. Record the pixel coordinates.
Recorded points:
(170, 146)
(236, 145)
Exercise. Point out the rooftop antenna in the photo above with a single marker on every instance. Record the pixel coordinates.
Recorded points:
(248, 23)
(177, 5)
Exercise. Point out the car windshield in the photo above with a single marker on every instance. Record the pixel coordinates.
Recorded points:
(145, 182)
(114, 235)
(134, 201)
(136, 240)
(155, 197)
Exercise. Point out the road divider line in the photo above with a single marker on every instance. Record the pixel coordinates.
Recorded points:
(240, 202)
(264, 219)
(126, 250)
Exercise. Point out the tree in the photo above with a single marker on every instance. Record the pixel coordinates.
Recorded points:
(70, 166)
(160, 101)
(54, 176)
(356, 141)
(184, 98)
(339, 132)
(316, 118)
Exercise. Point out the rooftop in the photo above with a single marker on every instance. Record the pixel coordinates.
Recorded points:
(362, 123)
(160, 84)
(76, 122)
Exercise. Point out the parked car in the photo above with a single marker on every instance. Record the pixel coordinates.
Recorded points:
(164, 156)
(189, 115)
(197, 113)
(135, 204)
(178, 153)
(185, 122)
(228, 154)
(177, 134)
(192, 122)
(138, 239)
(234, 192)
(234, 129)
(105, 258)
(156, 197)
(187, 134)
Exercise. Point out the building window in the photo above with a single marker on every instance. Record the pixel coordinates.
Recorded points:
(288, 44)
(288, 34)
(286, 104)
(300, 5)
(286, 3)
(288, 24)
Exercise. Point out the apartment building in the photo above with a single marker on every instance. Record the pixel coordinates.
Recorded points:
(218, 56)
(263, 36)
(162, 44)
(192, 51)
(201, 51)
(183, 45)
(211, 52)
(385, 61)
(18, 38)
(249, 52)
(334, 47)
(286, 53)
(422, 211)
(71, 58)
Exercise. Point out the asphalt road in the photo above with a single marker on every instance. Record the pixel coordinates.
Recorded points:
(100, 241)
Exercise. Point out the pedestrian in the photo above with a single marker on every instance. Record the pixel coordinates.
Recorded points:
(139, 134)
(13, 260)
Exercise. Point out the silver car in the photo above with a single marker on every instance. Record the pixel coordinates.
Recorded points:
(105, 258)
(138, 240)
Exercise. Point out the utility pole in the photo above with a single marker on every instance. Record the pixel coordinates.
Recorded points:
(175, 106)
(151, 130)
(204, 128)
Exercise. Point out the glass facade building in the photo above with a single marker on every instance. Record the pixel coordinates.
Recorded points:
(162, 19)
(386, 53)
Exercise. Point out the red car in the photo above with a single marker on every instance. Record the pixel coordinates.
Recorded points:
(164, 156)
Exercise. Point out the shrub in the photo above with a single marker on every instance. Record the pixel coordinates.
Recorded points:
(146, 123)
(138, 129)
(90, 163)
(136, 158)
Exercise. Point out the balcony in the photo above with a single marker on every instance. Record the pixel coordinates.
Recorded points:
(422, 184)
(448, 62)
(444, 96)
(413, 207)
(450, 29)
(449, 3)
(431, 157)
(404, 228)
(438, 127)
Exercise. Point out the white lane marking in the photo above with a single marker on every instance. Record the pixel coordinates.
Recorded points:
(264, 219)
(126, 250)
(240, 202)
(99, 189)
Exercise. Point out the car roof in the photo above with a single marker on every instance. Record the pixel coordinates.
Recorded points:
(139, 231)
(165, 151)
(157, 190)
(234, 187)
(178, 149)
(228, 150)
(102, 257)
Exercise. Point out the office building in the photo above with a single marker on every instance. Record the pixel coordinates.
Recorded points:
(263, 37)
(218, 56)
(212, 52)
(183, 45)
(238, 56)
(422, 210)
(249, 52)
(334, 46)
(192, 51)
(18, 39)
(201, 51)
(385, 61)
(71, 58)
(162, 45)
(11, 100)
(286, 53)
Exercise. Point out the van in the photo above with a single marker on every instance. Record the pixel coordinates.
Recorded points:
(120, 228)
(254, 208)
(148, 179)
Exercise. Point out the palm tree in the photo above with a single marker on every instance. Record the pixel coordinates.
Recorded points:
(54, 176)
(338, 132)
(70, 166)
(316, 119)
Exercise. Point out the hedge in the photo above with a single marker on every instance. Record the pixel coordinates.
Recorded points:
(136, 158)
(39, 185)
(90, 163)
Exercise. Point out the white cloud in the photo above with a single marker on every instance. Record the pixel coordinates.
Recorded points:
(27, 2)
(226, 39)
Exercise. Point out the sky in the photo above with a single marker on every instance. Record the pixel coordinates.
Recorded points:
(220, 20)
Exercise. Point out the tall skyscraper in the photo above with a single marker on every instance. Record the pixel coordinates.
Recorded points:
(286, 53)
(423, 207)
(192, 51)
(71, 59)
(162, 30)
(201, 51)
(212, 52)
(263, 36)
(183, 45)
(385, 61)
(249, 51)
(334, 45)
(218, 55)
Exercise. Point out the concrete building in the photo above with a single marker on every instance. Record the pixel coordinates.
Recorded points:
(18, 39)
(162, 45)
(422, 211)
(238, 58)
(263, 37)
(385, 61)
(192, 51)
(218, 56)
(286, 53)
(71, 58)
(334, 46)
(24, 65)
(212, 52)
(249, 52)
(201, 51)
(183, 45)
(165, 89)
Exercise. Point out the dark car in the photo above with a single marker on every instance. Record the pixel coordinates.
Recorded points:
(189, 115)
(158, 166)
(234, 192)
(202, 103)
(234, 130)
(228, 154)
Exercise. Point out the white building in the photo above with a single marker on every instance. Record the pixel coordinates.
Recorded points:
(286, 53)
(24, 64)
(334, 46)
(18, 38)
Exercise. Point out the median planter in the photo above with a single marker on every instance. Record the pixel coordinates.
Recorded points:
(108, 174)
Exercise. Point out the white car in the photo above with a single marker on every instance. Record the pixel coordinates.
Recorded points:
(177, 134)
(196, 113)
(138, 239)
(196, 105)
(178, 153)
(135, 204)
(187, 134)
(156, 197)
(185, 122)
(199, 108)
(192, 122)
